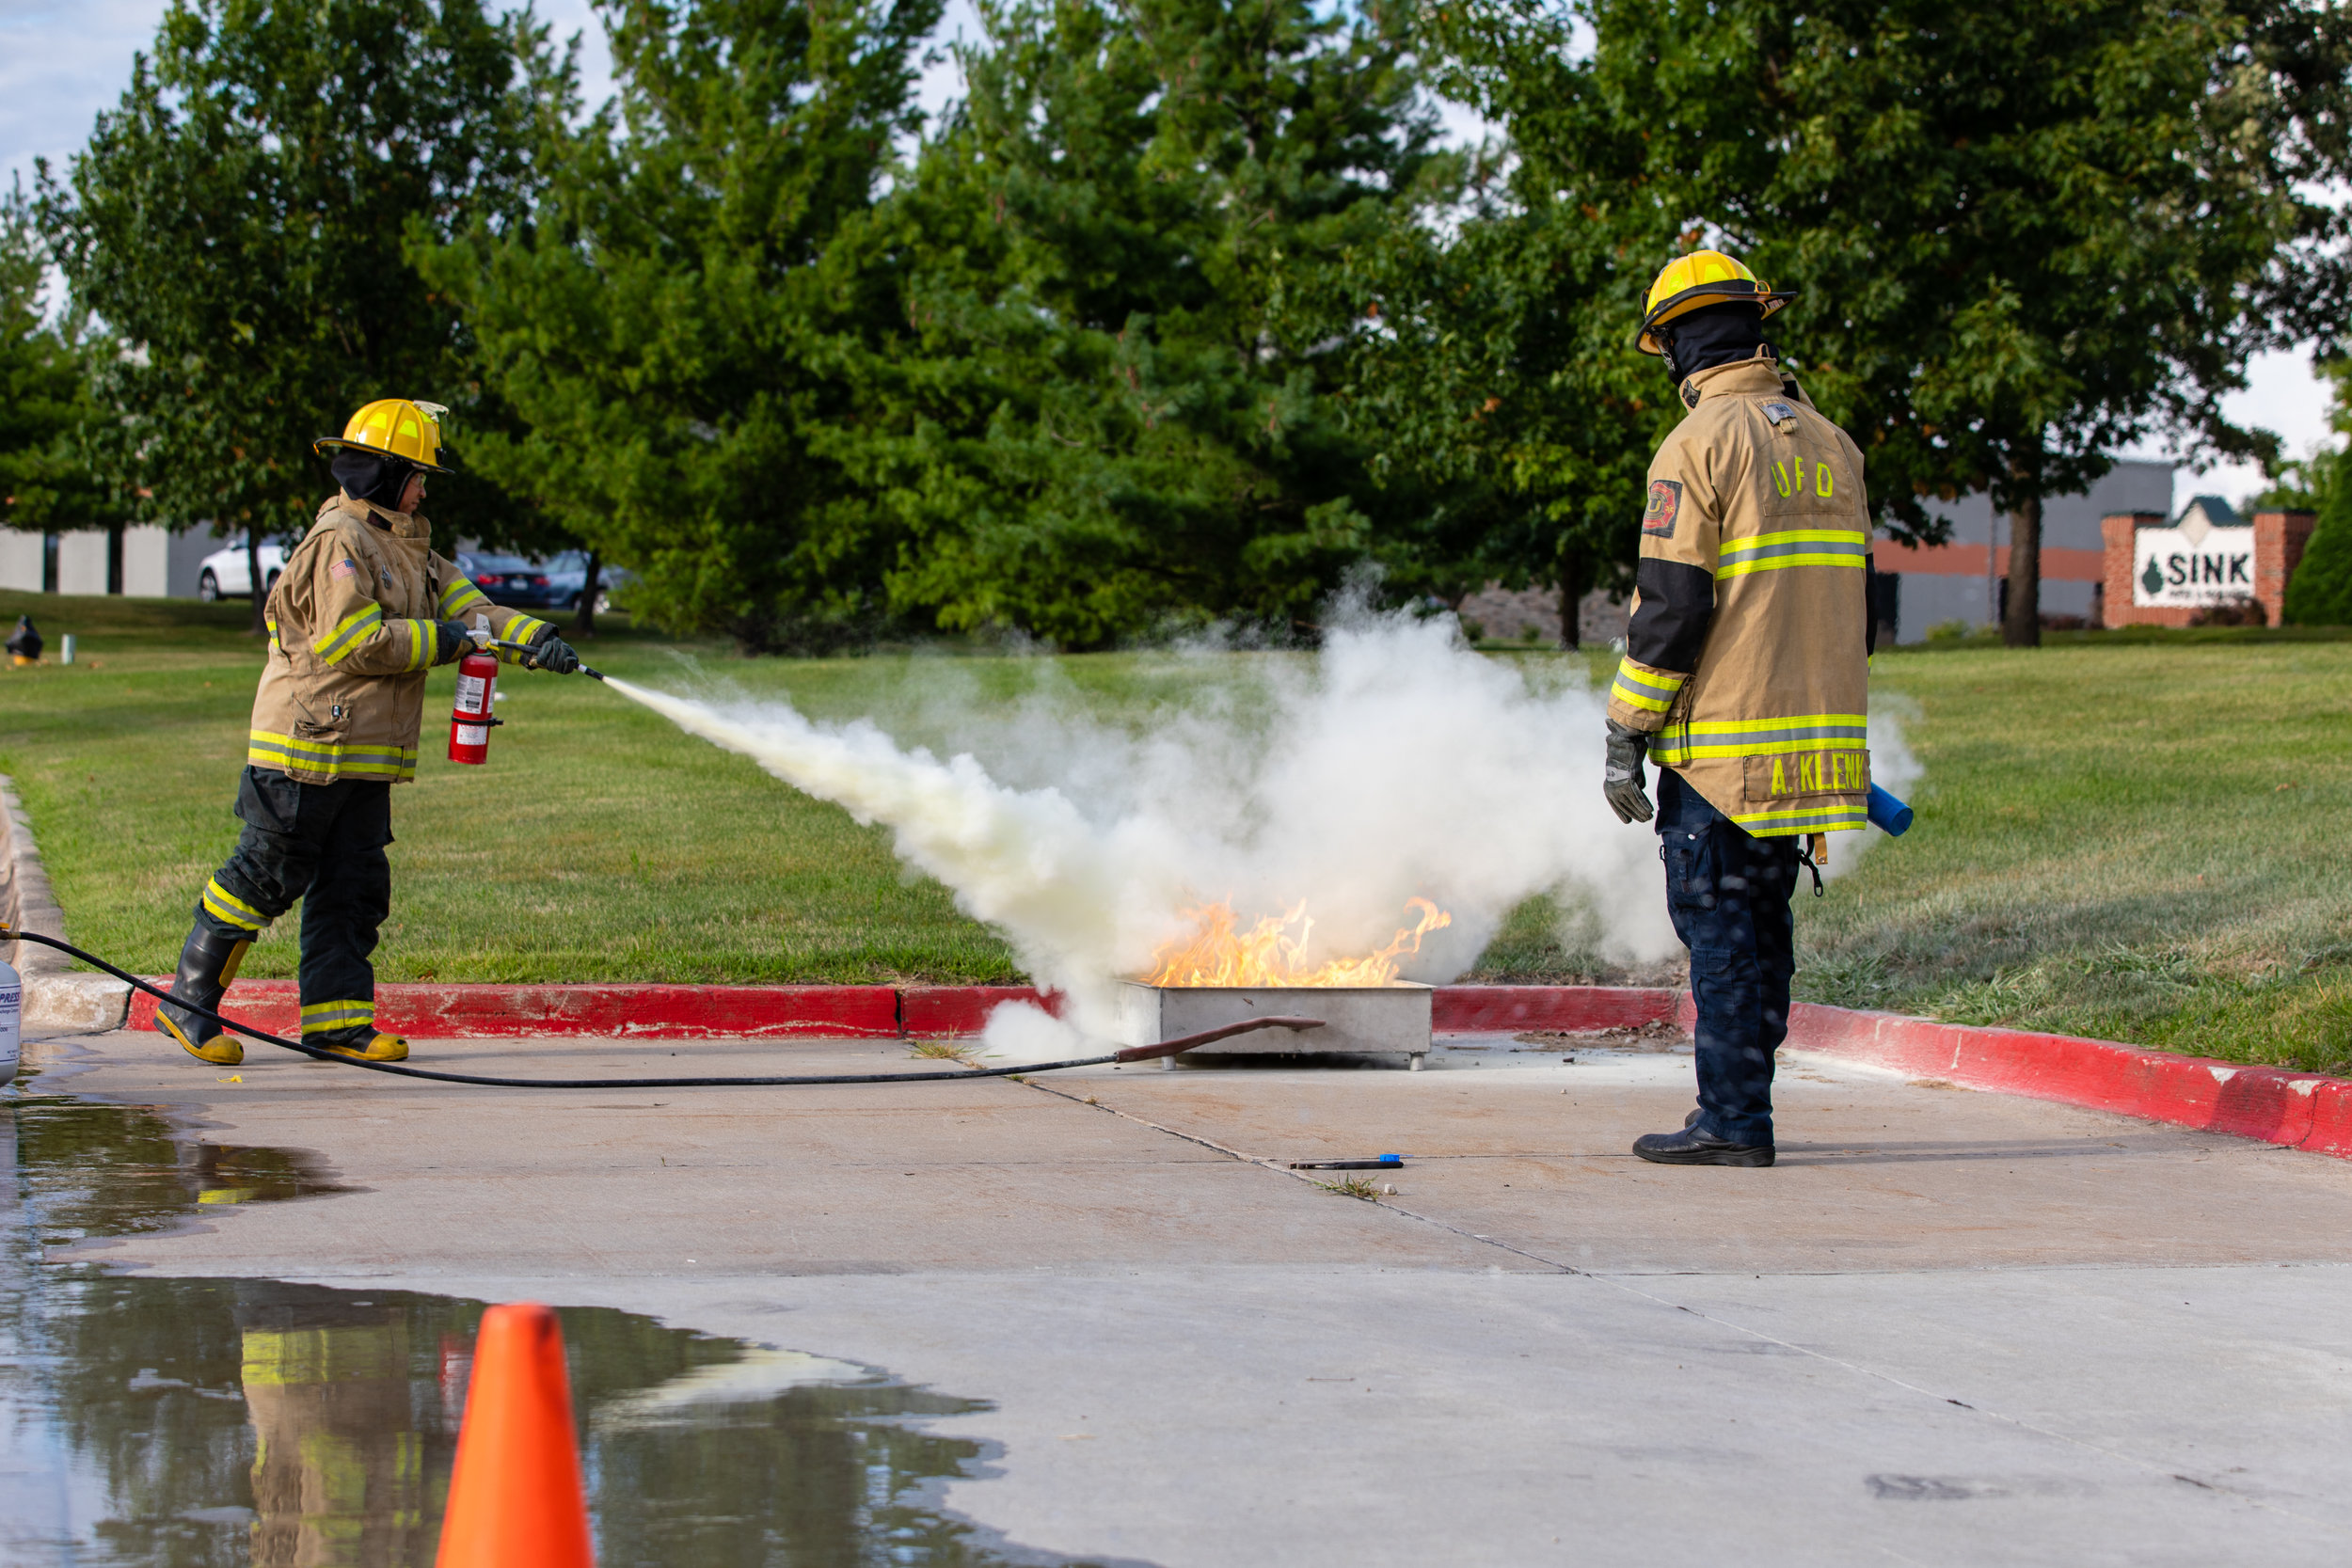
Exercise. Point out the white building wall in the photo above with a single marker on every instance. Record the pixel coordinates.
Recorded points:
(158, 563)
(82, 561)
(145, 561)
(20, 560)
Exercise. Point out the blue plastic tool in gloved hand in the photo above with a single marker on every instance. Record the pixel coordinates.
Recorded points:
(1888, 815)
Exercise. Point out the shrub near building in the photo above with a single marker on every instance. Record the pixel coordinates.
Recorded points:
(2320, 592)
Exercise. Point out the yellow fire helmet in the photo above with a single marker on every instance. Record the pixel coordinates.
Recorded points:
(1702, 278)
(397, 428)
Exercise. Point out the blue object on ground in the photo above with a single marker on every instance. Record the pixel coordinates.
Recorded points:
(1888, 814)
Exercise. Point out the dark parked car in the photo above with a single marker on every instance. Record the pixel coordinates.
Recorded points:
(569, 568)
(512, 580)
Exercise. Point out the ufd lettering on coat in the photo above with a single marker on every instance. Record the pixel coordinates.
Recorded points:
(1821, 773)
(1790, 475)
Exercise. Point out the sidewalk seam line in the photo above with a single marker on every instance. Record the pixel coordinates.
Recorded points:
(1278, 1169)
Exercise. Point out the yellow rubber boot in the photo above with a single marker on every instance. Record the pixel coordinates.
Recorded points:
(207, 964)
(383, 1048)
(220, 1050)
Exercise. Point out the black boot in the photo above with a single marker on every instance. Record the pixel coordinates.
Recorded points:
(207, 964)
(363, 1044)
(1691, 1147)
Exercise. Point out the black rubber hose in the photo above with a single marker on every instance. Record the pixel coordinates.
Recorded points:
(1132, 1054)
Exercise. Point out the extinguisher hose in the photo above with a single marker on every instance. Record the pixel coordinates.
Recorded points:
(1132, 1054)
(523, 651)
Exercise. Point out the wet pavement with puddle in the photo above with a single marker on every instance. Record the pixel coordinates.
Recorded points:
(148, 1421)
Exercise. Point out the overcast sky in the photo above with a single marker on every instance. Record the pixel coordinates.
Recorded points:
(63, 60)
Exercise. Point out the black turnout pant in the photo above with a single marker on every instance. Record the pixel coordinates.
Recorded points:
(1729, 892)
(323, 844)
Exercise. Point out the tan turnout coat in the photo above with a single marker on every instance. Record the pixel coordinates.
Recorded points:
(1747, 659)
(351, 635)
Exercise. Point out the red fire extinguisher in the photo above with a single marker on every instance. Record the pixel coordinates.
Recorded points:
(469, 722)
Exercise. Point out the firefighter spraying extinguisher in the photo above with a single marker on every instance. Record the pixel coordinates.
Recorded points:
(364, 611)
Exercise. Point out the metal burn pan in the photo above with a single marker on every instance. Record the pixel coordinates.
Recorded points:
(1370, 1021)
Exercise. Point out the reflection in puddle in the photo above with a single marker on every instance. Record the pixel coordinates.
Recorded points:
(218, 1421)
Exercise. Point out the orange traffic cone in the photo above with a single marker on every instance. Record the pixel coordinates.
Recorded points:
(514, 1498)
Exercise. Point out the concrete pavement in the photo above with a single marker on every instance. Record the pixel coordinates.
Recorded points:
(1950, 1328)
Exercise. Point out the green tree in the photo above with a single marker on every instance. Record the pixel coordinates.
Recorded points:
(47, 421)
(666, 324)
(2320, 592)
(235, 226)
(1110, 408)
(2024, 236)
(1494, 345)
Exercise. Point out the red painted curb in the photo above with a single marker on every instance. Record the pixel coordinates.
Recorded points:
(673, 1012)
(1492, 1010)
(927, 1011)
(2297, 1110)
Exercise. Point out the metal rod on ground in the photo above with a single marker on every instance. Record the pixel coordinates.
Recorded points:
(1132, 1054)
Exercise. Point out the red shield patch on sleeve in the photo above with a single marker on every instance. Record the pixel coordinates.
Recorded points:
(1665, 500)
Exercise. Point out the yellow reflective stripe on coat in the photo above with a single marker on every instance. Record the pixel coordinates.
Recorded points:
(1804, 546)
(320, 1018)
(1644, 688)
(460, 595)
(1760, 737)
(348, 631)
(1804, 819)
(422, 638)
(523, 629)
(267, 749)
(221, 904)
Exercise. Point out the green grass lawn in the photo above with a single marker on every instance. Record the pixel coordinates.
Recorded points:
(2129, 835)
(593, 846)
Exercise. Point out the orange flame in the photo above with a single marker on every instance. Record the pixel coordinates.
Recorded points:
(1268, 955)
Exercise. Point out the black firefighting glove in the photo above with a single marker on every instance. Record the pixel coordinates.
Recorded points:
(451, 643)
(1621, 778)
(552, 654)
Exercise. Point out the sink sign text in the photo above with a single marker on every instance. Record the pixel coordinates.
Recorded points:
(2171, 568)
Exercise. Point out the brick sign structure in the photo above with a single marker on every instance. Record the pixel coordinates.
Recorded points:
(2163, 573)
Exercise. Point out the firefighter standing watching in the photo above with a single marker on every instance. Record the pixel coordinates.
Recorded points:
(1744, 678)
(363, 608)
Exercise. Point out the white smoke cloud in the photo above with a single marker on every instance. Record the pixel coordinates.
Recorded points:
(1391, 764)
(1395, 763)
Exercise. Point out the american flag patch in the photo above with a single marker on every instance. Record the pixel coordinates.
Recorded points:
(342, 569)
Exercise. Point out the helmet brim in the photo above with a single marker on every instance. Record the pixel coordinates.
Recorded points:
(1727, 291)
(325, 443)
